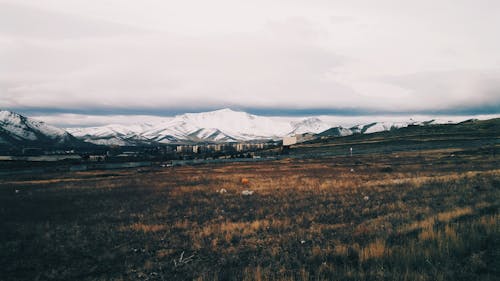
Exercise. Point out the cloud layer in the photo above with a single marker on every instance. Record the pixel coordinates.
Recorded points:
(162, 55)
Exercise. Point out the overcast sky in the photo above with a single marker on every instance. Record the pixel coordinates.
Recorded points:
(159, 57)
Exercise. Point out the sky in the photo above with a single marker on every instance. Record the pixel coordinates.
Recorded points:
(273, 57)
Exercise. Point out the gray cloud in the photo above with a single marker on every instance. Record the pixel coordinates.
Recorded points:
(330, 55)
(467, 88)
(25, 21)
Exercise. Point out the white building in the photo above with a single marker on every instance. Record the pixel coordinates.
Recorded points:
(196, 149)
(97, 158)
(289, 140)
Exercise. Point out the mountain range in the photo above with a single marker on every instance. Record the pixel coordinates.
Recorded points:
(224, 125)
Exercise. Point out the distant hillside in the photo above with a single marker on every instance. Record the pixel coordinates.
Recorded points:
(468, 134)
(475, 127)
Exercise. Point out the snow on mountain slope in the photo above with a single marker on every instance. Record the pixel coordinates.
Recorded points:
(115, 134)
(16, 129)
(375, 127)
(109, 130)
(434, 122)
(379, 127)
(227, 125)
(309, 125)
(234, 125)
(223, 125)
(337, 132)
(214, 135)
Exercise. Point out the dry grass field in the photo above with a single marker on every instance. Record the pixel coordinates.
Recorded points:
(426, 215)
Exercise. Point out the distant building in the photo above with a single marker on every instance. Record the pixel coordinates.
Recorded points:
(196, 149)
(97, 158)
(240, 147)
(184, 148)
(287, 141)
(298, 138)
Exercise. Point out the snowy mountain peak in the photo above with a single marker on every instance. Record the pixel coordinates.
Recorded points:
(26, 127)
(234, 125)
(216, 117)
(224, 111)
(18, 130)
(310, 125)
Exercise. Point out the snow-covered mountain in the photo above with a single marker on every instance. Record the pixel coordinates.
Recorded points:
(214, 135)
(226, 125)
(17, 131)
(374, 127)
(114, 134)
(220, 125)
(380, 127)
(337, 132)
(309, 125)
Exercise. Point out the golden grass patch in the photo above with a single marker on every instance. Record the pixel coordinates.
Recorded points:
(374, 250)
(141, 227)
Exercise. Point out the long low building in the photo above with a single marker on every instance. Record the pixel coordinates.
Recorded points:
(298, 138)
(289, 140)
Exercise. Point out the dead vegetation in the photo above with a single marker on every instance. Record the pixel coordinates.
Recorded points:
(372, 217)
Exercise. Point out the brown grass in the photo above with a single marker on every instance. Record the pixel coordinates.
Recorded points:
(308, 219)
(375, 250)
(143, 227)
